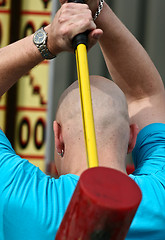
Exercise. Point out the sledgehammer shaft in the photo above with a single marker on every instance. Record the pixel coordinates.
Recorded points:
(80, 46)
(86, 105)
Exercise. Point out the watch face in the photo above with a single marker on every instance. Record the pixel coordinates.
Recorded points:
(39, 37)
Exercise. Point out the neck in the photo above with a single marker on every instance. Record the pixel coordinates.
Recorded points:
(75, 162)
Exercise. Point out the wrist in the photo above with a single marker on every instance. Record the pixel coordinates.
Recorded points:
(102, 18)
(93, 6)
(40, 39)
(52, 43)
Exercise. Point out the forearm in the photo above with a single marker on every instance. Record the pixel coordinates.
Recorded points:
(19, 57)
(127, 61)
(16, 60)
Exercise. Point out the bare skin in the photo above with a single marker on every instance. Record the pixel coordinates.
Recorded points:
(131, 68)
(136, 76)
(18, 58)
(144, 91)
(114, 135)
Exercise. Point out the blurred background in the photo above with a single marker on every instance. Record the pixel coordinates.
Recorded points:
(28, 109)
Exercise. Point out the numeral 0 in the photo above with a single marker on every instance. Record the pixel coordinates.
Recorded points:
(25, 132)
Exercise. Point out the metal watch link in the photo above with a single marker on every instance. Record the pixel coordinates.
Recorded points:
(40, 39)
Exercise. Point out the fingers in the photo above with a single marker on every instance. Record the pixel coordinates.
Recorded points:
(70, 20)
(93, 4)
(75, 18)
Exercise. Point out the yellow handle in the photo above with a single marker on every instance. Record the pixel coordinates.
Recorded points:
(86, 105)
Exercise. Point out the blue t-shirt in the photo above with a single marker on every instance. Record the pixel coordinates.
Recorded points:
(32, 204)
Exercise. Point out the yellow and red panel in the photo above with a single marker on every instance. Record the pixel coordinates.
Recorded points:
(33, 90)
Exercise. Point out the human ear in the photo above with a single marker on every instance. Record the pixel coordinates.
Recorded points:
(134, 130)
(58, 137)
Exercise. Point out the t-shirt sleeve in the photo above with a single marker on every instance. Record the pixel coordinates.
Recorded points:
(149, 174)
(149, 152)
(32, 204)
(10, 163)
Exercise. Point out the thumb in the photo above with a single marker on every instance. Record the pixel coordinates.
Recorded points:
(94, 36)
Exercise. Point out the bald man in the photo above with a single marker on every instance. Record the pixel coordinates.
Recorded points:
(33, 204)
(36, 203)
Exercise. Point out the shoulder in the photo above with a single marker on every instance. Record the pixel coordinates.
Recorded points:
(36, 202)
(29, 198)
(150, 216)
(149, 152)
(4, 142)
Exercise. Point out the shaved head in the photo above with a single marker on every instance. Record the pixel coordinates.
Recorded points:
(110, 118)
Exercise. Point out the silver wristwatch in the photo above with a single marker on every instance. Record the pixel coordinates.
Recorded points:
(40, 40)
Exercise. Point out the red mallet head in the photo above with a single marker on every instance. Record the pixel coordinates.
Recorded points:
(102, 206)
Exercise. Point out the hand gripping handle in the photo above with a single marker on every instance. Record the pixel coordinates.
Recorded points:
(81, 38)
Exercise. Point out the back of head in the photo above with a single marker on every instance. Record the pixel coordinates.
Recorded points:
(110, 117)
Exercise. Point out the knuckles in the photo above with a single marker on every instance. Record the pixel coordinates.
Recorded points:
(65, 31)
(71, 20)
(74, 6)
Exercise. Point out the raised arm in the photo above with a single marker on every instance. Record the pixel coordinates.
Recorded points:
(132, 69)
(18, 58)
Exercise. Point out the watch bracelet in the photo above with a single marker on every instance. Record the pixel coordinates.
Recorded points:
(46, 54)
